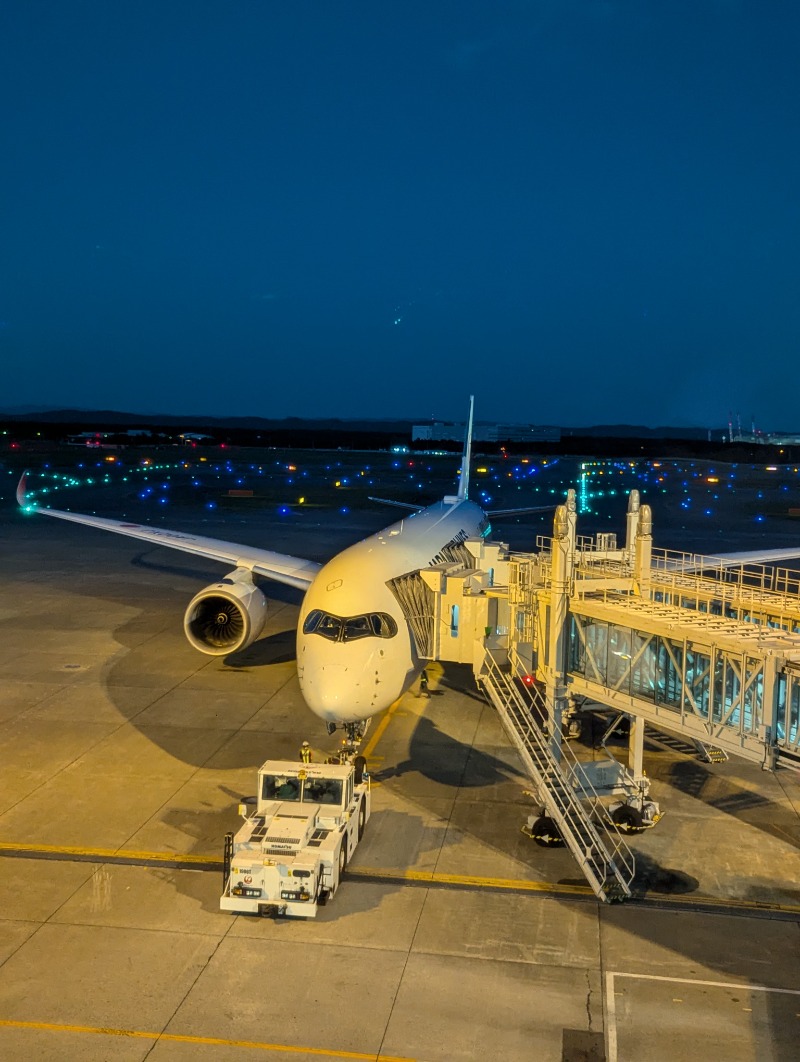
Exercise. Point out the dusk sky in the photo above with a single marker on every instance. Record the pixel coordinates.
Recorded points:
(581, 211)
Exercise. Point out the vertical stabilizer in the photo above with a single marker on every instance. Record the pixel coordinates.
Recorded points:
(463, 482)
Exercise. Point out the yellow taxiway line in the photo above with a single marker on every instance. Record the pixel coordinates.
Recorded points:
(389, 875)
(433, 877)
(118, 854)
(395, 875)
(380, 729)
(216, 1041)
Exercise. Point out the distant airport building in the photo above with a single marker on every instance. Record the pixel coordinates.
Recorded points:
(518, 433)
(766, 439)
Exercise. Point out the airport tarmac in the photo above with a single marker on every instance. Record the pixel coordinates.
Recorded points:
(124, 754)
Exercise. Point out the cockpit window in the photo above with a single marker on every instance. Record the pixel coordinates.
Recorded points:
(349, 628)
(357, 627)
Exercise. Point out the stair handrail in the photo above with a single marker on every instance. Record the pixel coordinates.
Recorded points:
(569, 810)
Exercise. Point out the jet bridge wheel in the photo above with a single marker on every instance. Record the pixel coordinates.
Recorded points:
(545, 833)
(627, 818)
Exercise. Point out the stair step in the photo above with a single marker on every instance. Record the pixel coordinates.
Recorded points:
(558, 797)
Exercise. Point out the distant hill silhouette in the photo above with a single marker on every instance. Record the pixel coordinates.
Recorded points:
(104, 418)
(110, 418)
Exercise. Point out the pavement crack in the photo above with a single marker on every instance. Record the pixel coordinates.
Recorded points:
(589, 1000)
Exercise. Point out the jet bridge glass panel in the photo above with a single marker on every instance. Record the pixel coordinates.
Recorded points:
(720, 687)
(788, 713)
(669, 673)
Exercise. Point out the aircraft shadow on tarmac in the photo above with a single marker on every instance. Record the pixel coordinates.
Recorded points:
(437, 756)
(278, 648)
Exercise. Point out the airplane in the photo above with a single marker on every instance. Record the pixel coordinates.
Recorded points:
(356, 651)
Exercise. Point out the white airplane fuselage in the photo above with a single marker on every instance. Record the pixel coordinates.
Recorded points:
(347, 679)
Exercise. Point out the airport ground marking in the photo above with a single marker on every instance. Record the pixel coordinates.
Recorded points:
(110, 855)
(432, 877)
(380, 729)
(215, 1041)
(612, 1047)
(400, 876)
(742, 985)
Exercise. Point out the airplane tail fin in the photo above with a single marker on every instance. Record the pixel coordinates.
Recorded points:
(463, 482)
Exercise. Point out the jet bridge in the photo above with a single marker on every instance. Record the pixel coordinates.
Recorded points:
(689, 644)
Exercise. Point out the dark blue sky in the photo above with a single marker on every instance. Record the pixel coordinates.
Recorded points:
(584, 211)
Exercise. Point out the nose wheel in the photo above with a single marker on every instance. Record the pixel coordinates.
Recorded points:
(354, 734)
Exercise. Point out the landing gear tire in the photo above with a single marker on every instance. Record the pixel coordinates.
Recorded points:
(362, 818)
(574, 729)
(360, 764)
(627, 819)
(342, 860)
(545, 833)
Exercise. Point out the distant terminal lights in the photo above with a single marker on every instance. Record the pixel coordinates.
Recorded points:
(487, 432)
(766, 439)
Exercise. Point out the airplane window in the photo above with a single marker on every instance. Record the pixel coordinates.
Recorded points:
(312, 621)
(382, 625)
(338, 629)
(356, 627)
(328, 626)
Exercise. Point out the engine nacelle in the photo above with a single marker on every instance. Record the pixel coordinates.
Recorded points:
(227, 616)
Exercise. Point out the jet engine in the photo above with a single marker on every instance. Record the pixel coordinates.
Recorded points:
(226, 616)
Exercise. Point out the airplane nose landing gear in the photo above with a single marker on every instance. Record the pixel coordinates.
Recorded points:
(354, 735)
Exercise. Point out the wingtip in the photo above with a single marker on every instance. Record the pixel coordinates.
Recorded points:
(22, 490)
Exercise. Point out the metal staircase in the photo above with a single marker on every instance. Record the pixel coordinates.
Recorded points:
(605, 859)
(710, 753)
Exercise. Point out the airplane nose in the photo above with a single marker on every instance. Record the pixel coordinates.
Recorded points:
(331, 693)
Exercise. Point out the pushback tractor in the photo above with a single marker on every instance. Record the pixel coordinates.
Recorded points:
(298, 835)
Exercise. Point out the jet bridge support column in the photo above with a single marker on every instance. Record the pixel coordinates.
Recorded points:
(644, 553)
(636, 747)
(563, 554)
(632, 527)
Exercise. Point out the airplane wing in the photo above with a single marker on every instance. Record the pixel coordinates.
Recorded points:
(399, 504)
(292, 571)
(522, 512)
(697, 563)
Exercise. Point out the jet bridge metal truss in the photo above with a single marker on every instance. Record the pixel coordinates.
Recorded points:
(707, 652)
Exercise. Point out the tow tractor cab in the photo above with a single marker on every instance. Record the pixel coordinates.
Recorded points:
(298, 834)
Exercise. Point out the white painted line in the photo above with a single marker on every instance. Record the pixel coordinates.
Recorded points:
(712, 984)
(611, 1001)
(611, 1019)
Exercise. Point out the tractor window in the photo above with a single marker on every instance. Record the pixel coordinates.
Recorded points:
(277, 787)
(323, 791)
